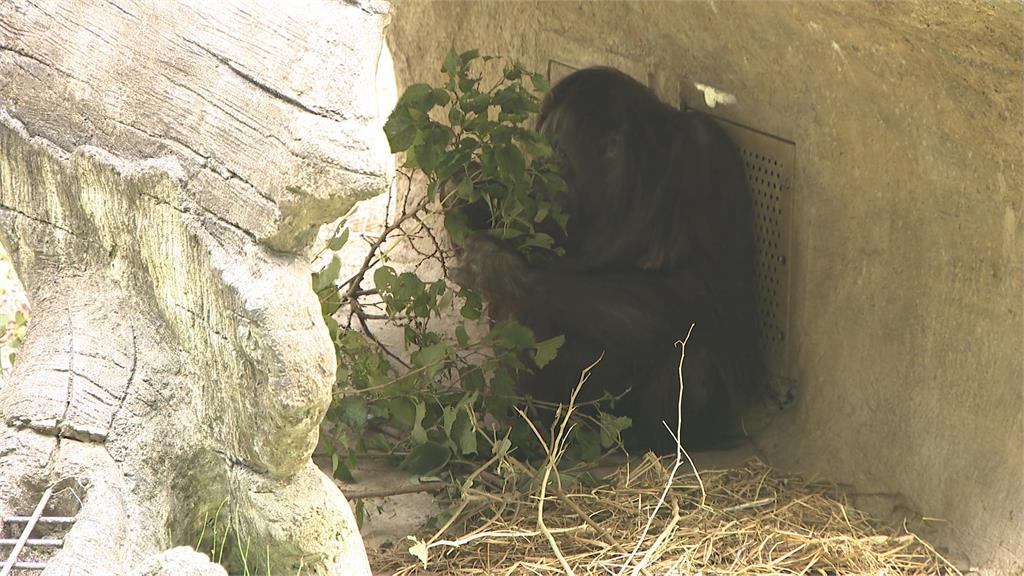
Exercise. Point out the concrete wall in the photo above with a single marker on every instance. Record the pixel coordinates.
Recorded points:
(909, 242)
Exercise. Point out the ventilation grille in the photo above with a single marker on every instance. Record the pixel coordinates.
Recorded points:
(768, 162)
(558, 70)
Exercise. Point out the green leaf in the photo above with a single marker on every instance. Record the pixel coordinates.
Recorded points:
(561, 217)
(511, 335)
(418, 97)
(342, 375)
(587, 445)
(451, 163)
(540, 83)
(473, 307)
(329, 275)
(468, 56)
(539, 240)
(537, 148)
(478, 125)
(410, 159)
(338, 241)
(427, 156)
(457, 226)
(547, 350)
(354, 410)
(555, 183)
(430, 358)
(474, 102)
(444, 303)
(403, 412)
(398, 292)
(419, 434)
(360, 514)
(448, 415)
(468, 86)
(503, 392)
(441, 97)
(464, 435)
(384, 277)
(438, 287)
(461, 335)
(502, 383)
(510, 161)
(433, 148)
(472, 378)
(450, 65)
(332, 327)
(542, 213)
(400, 130)
(465, 189)
(611, 429)
(469, 144)
(456, 116)
(420, 120)
(515, 102)
(501, 134)
(513, 117)
(339, 470)
(568, 481)
(427, 458)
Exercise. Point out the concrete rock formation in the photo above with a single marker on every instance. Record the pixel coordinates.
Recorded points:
(163, 167)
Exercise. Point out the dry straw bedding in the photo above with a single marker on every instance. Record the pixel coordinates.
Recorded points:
(659, 517)
(654, 519)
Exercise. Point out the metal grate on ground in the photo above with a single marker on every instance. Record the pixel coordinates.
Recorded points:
(21, 553)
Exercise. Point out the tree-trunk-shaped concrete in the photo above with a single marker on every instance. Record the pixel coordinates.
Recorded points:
(162, 169)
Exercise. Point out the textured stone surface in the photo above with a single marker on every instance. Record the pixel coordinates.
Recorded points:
(180, 561)
(909, 239)
(162, 169)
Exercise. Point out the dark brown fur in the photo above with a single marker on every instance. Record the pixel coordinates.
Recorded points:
(660, 237)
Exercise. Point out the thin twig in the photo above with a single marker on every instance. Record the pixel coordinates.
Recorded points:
(356, 279)
(675, 466)
(361, 316)
(554, 453)
(504, 534)
(396, 491)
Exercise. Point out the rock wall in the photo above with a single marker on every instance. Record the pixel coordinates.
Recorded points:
(163, 170)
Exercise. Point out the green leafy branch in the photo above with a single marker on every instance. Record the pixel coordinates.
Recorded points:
(484, 152)
(483, 171)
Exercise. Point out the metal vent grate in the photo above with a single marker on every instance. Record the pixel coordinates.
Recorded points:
(768, 161)
(558, 70)
(767, 194)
